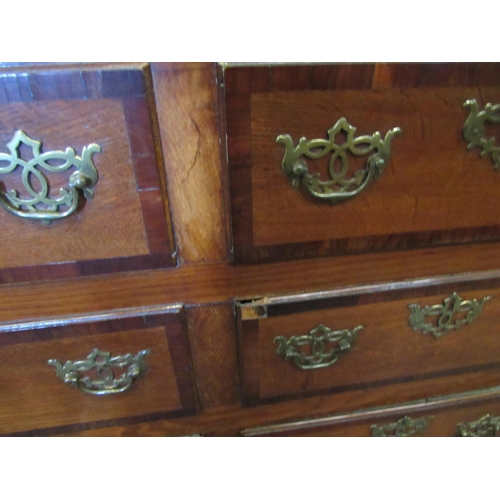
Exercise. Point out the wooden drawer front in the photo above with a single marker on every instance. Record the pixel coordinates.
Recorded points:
(431, 191)
(463, 415)
(34, 400)
(126, 225)
(387, 353)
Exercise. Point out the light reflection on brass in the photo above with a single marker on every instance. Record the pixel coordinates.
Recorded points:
(39, 204)
(404, 427)
(446, 313)
(339, 188)
(486, 426)
(474, 132)
(103, 366)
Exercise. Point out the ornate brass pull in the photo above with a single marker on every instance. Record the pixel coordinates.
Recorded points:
(41, 206)
(474, 132)
(486, 426)
(103, 365)
(317, 339)
(446, 314)
(338, 188)
(404, 427)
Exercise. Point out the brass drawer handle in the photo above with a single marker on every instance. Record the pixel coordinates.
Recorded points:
(42, 206)
(474, 133)
(446, 313)
(338, 188)
(404, 427)
(316, 339)
(486, 426)
(103, 366)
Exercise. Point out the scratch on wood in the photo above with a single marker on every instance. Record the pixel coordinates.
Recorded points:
(198, 151)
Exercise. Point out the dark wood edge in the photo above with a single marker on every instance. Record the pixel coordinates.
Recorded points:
(470, 398)
(52, 322)
(248, 333)
(77, 269)
(248, 254)
(373, 384)
(372, 296)
(179, 346)
(151, 417)
(155, 128)
(221, 121)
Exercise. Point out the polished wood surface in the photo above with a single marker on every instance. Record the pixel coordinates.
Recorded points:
(32, 396)
(184, 108)
(444, 417)
(419, 198)
(387, 350)
(124, 226)
(188, 117)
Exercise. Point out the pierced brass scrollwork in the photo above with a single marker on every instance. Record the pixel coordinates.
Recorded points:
(474, 132)
(103, 365)
(486, 426)
(339, 188)
(41, 206)
(317, 340)
(404, 427)
(446, 314)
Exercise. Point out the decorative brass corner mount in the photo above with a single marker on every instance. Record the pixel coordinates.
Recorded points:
(317, 340)
(41, 206)
(339, 188)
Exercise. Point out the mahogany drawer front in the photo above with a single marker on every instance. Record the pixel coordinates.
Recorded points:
(126, 224)
(463, 415)
(431, 191)
(34, 400)
(279, 338)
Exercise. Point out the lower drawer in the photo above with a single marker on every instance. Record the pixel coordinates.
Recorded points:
(108, 369)
(382, 336)
(474, 414)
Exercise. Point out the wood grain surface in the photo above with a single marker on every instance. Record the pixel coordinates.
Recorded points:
(420, 198)
(126, 221)
(387, 350)
(34, 397)
(213, 341)
(186, 97)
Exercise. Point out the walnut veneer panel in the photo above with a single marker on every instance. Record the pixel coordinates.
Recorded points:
(33, 397)
(126, 225)
(432, 191)
(387, 351)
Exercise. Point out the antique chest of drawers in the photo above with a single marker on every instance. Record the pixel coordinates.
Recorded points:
(233, 250)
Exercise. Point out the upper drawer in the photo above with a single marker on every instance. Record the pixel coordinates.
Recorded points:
(82, 187)
(400, 341)
(346, 189)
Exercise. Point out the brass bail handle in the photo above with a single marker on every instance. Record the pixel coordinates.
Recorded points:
(40, 204)
(103, 366)
(325, 347)
(338, 188)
